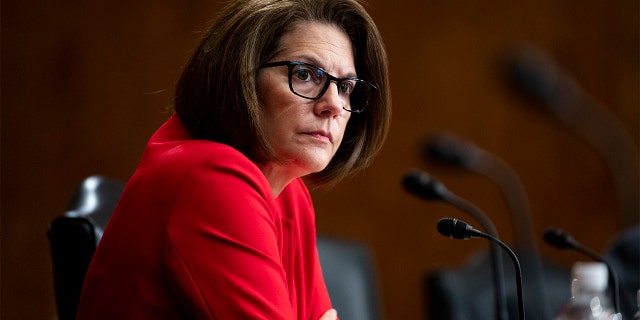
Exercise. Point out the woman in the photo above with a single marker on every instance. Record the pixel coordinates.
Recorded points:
(216, 222)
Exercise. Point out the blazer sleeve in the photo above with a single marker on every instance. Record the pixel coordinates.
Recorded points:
(220, 248)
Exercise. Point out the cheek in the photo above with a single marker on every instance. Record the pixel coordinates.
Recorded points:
(273, 97)
(342, 125)
(277, 110)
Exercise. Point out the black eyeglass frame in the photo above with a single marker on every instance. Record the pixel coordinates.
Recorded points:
(291, 64)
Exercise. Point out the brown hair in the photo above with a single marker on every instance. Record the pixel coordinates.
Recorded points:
(216, 95)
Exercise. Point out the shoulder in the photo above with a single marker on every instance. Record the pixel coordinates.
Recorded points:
(176, 166)
(172, 150)
(172, 146)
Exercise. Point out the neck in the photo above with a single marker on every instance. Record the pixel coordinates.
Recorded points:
(278, 175)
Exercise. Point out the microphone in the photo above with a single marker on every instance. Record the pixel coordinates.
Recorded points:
(534, 74)
(424, 186)
(562, 240)
(458, 229)
(449, 149)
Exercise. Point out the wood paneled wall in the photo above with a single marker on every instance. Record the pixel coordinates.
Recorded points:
(84, 85)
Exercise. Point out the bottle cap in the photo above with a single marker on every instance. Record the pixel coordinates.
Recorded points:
(591, 275)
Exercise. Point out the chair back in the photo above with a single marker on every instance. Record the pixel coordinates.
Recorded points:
(73, 238)
(351, 278)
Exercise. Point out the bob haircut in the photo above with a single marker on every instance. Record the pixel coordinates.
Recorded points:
(216, 96)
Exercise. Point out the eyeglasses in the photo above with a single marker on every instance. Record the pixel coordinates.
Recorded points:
(311, 82)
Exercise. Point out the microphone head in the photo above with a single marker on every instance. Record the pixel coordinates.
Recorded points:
(454, 228)
(536, 75)
(449, 149)
(421, 184)
(559, 239)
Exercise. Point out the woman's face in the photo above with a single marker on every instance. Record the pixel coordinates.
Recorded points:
(306, 133)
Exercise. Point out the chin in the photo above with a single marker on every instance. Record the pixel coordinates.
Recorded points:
(310, 162)
(317, 166)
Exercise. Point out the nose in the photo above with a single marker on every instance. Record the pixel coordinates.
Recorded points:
(331, 103)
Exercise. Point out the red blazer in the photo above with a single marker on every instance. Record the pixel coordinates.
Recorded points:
(197, 234)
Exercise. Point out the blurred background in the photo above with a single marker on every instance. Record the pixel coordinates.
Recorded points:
(86, 83)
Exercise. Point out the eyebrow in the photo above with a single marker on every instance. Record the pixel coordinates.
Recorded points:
(311, 60)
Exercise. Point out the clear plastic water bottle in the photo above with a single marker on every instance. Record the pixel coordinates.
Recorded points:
(588, 297)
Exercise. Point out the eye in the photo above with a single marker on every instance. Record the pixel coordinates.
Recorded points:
(309, 74)
(303, 74)
(346, 87)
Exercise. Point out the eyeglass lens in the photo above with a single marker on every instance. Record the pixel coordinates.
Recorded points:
(310, 82)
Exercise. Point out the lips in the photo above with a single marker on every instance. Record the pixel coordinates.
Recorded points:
(321, 135)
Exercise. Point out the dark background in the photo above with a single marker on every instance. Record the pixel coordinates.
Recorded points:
(85, 84)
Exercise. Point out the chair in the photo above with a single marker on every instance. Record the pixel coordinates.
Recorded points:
(73, 237)
(349, 272)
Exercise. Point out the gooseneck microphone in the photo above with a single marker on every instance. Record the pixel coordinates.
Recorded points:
(536, 75)
(562, 240)
(424, 186)
(452, 150)
(458, 229)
